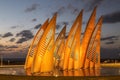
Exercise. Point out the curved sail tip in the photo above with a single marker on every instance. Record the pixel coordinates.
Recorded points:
(47, 19)
(81, 13)
(82, 10)
(96, 7)
(100, 20)
(55, 14)
(64, 27)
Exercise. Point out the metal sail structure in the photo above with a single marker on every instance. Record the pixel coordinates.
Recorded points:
(77, 46)
(74, 58)
(52, 51)
(57, 51)
(44, 46)
(33, 46)
(61, 54)
(61, 50)
(96, 48)
(86, 38)
(46, 53)
(97, 55)
(91, 51)
(70, 40)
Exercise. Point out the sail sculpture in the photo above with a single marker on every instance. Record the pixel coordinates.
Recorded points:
(97, 40)
(74, 58)
(86, 38)
(43, 54)
(66, 53)
(69, 41)
(76, 46)
(58, 46)
(94, 41)
(33, 46)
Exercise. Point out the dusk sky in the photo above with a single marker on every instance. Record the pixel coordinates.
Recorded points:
(20, 20)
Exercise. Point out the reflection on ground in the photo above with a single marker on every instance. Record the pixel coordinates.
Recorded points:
(80, 72)
(12, 70)
(103, 71)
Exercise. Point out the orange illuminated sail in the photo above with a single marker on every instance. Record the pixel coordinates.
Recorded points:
(61, 52)
(70, 40)
(58, 47)
(46, 67)
(31, 52)
(44, 45)
(47, 59)
(75, 48)
(86, 38)
(91, 52)
(97, 55)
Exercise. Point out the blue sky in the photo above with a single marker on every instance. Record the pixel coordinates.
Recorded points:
(19, 18)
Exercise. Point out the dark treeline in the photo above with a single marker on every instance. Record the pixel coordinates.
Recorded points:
(13, 61)
(21, 61)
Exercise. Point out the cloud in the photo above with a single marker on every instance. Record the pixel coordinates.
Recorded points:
(1, 46)
(13, 46)
(37, 26)
(58, 26)
(61, 24)
(8, 34)
(33, 7)
(110, 38)
(65, 23)
(90, 4)
(109, 53)
(60, 11)
(13, 51)
(70, 7)
(21, 40)
(12, 40)
(110, 42)
(25, 35)
(112, 18)
(7, 48)
(14, 27)
(33, 20)
(73, 9)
